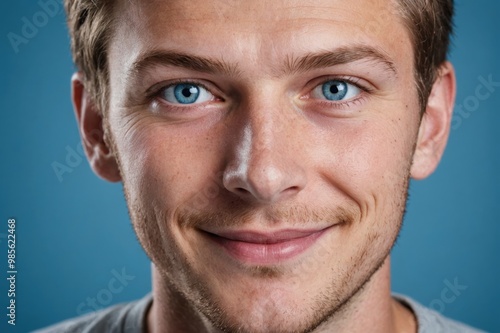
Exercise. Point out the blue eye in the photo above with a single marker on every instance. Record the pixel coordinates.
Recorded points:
(186, 93)
(335, 90)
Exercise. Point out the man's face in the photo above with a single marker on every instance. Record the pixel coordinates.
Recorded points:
(265, 149)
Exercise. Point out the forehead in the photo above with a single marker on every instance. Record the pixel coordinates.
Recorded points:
(260, 32)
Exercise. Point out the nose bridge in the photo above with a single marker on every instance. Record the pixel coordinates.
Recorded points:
(263, 167)
(264, 128)
(266, 119)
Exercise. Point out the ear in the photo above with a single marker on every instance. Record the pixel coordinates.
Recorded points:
(90, 123)
(435, 125)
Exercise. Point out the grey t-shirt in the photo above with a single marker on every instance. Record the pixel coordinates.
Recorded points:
(430, 321)
(130, 318)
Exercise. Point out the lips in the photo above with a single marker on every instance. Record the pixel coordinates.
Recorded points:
(270, 248)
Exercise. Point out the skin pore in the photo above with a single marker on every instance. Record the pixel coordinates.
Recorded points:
(262, 149)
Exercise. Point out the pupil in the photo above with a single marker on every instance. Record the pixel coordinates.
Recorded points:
(334, 89)
(186, 92)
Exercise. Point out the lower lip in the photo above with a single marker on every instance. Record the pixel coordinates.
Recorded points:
(267, 254)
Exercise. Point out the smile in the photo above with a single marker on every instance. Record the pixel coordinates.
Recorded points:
(255, 248)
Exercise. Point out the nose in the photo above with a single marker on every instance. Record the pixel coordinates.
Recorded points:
(264, 165)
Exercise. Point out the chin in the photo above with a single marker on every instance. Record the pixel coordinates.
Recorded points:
(265, 315)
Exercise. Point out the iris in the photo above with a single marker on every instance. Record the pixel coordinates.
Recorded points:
(334, 90)
(186, 93)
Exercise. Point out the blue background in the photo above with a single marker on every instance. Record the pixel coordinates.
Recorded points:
(72, 234)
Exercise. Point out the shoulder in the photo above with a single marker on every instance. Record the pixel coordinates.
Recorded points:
(121, 318)
(430, 321)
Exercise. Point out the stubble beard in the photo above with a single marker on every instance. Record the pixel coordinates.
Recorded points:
(331, 304)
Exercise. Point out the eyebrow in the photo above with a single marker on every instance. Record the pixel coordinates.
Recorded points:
(292, 65)
(182, 60)
(339, 56)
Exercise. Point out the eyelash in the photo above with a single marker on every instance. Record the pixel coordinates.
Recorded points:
(342, 104)
(155, 91)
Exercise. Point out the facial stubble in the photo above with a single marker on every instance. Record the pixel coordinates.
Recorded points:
(167, 256)
(150, 222)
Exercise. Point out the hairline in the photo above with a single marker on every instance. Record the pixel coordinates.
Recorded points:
(421, 85)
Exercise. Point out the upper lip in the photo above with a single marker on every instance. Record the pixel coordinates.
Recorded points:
(272, 237)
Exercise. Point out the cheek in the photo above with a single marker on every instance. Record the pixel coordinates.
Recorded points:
(163, 171)
(370, 160)
(166, 167)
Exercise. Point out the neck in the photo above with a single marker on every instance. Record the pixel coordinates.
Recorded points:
(371, 309)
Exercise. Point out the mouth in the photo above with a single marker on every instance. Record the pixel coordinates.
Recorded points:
(257, 248)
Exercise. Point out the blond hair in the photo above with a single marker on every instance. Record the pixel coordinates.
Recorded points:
(91, 24)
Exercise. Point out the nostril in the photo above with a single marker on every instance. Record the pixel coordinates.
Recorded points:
(242, 190)
(291, 190)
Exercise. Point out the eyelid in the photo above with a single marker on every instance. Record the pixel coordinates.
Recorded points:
(154, 91)
(365, 87)
(355, 81)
